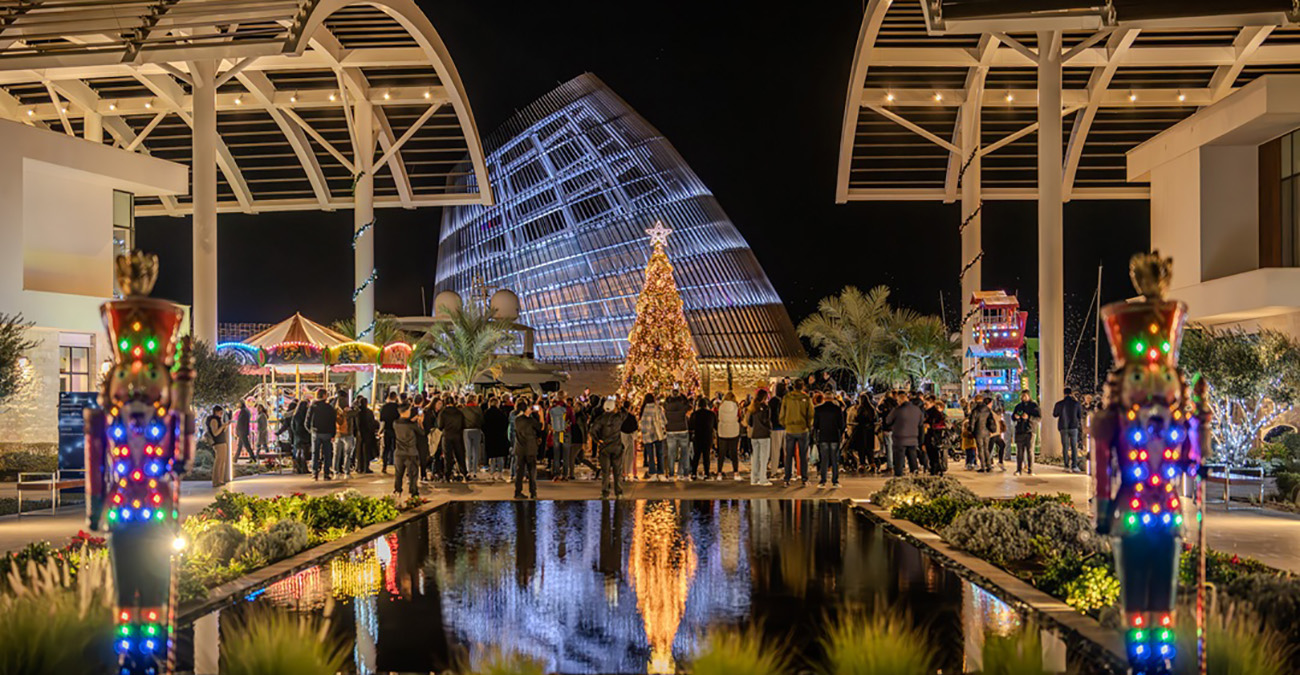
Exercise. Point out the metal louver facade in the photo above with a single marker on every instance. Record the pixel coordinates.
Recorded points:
(578, 177)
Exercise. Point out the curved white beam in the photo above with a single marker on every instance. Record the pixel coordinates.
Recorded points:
(1117, 45)
(259, 85)
(862, 56)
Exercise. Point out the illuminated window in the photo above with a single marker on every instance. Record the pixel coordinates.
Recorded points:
(74, 369)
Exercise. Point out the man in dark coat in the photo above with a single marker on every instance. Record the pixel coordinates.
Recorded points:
(527, 433)
(905, 423)
(387, 417)
(606, 436)
(1026, 415)
(301, 437)
(322, 420)
(452, 422)
(1069, 420)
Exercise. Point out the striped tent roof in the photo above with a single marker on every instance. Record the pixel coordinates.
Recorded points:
(297, 328)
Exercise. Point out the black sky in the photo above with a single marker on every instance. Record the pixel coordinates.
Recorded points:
(753, 101)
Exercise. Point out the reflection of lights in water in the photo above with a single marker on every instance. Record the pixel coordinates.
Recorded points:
(729, 535)
(661, 565)
(366, 613)
(933, 575)
(993, 614)
(358, 575)
(389, 542)
(302, 591)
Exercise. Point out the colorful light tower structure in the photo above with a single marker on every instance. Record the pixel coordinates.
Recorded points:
(994, 361)
(137, 444)
(1150, 437)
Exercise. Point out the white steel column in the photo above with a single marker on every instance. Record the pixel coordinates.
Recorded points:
(972, 249)
(92, 127)
(203, 176)
(1051, 258)
(363, 217)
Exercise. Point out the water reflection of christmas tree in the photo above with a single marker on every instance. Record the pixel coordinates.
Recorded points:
(661, 565)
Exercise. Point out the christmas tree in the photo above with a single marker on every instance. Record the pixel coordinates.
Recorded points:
(661, 352)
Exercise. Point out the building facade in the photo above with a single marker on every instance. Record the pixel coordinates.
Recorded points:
(68, 210)
(1224, 205)
(578, 177)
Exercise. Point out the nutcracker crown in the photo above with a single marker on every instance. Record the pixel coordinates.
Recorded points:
(136, 273)
(1146, 331)
(1151, 274)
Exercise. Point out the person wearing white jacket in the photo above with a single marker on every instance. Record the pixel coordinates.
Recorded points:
(729, 434)
(654, 429)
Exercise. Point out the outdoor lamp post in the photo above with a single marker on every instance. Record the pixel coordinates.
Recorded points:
(137, 443)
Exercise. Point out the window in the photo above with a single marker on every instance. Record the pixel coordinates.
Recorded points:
(74, 369)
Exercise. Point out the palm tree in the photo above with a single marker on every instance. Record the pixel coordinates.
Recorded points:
(927, 352)
(386, 330)
(467, 346)
(850, 332)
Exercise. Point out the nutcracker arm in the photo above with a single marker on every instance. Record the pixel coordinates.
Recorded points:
(96, 425)
(1103, 436)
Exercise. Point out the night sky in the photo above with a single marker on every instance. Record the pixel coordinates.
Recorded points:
(751, 99)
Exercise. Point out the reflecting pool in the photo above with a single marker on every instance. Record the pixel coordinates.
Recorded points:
(618, 587)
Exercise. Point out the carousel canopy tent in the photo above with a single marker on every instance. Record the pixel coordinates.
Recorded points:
(297, 329)
(288, 75)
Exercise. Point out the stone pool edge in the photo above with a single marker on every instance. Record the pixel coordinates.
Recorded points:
(226, 594)
(1051, 612)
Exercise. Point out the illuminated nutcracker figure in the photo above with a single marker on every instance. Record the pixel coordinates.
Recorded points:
(137, 444)
(1148, 446)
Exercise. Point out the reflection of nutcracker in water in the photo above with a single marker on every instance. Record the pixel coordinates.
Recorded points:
(136, 445)
(1149, 437)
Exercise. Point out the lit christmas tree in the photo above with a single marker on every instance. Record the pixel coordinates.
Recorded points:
(661, 352)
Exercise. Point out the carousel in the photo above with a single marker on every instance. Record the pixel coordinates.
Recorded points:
(298, 353)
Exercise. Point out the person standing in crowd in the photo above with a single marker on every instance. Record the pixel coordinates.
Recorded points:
(301, 438)
(263, 429)
(1069, 419)
(828, 429)
(606, 438)
(527, 432)
(345, 440)
(904, 423)
(759, 421)
(982, 427)
(797, 417)
(778, 429)
(243, 432)
(1026, 416)
(703, 425)
(321, 420)
(628, 432)
(558, 418)
(936, 425)
(496, 425)
(367, 434)
(653, 431)
(473, 433)
(888, 402)
(677, 442)
(729, 435)
(451, 420)
(862, 432)
(998, 442)
(216, 427)
(432, 434)
(406, 452)
(388, 415)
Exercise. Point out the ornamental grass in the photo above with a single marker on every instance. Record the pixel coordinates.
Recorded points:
(732, 652)
(1017, 653)
(1237, 642)
(51, 625)
(498, 662)
(885, 642)
(275, 641)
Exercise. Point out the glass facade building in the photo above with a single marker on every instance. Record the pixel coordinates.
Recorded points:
(578, 177)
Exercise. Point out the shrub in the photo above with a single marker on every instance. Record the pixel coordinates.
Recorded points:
(1220, 568)
(911, 490)
(19, 461)
(990, 533)
(1288, 486)
(882, 643)
(1019, 653)
(1236, 643)
(935, 514)
(1275, 598)
(1030, 500)
(283, 539)
(1095, 589)
(270, 641)
(732, 652)
(1059, 528)
(219, 543)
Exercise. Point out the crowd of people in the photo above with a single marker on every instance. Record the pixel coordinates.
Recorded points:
(786, 434)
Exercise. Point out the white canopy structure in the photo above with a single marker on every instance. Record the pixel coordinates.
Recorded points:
(275, 105)
(967, 100)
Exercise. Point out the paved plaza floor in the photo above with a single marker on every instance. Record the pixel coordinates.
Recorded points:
(1270, 536)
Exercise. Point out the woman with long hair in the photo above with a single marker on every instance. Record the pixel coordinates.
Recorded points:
(862, 433)
(758, 419)
(729, 434)
(654, 429)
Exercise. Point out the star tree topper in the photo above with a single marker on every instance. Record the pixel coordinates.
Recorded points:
(659, 234)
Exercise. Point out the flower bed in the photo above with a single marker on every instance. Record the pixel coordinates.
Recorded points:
(1043, 540)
